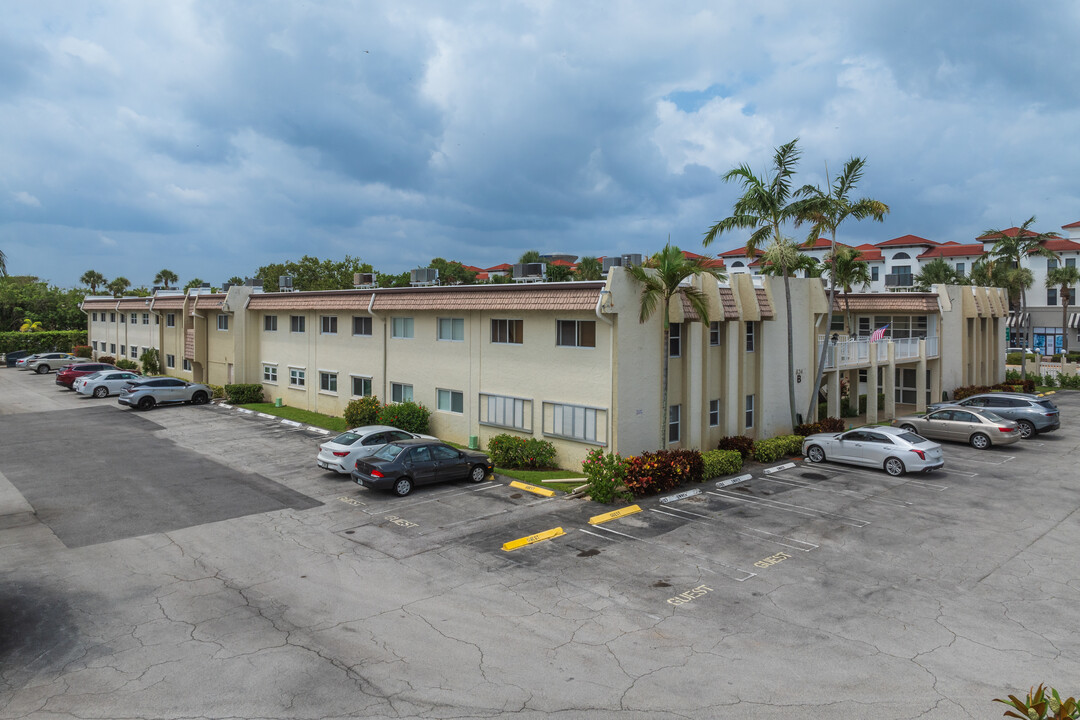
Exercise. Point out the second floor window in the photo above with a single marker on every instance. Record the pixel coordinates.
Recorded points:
(401, 327)
(329, 324)
(452, 329)
(511, 332)
(675, 340)
(270, 323)
(222, 322)
(751, 336)
(297, 323)
(576, 333)
(361, 325)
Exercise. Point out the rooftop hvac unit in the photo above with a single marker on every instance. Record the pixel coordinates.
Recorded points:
(253, 282)
(284, 283)
(631, 260)
(363, 280)
(205, 286)
(610, 262)
(225, 287)
(424, 276)
(530, 272)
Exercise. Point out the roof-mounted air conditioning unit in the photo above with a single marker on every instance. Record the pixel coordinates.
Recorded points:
(610, 262)
(631, 260)
(530, 272)
(363, 280)
(424, 276)
(284, 283)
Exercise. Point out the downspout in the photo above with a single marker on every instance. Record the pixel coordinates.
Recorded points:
(611, 367)
(371, 312)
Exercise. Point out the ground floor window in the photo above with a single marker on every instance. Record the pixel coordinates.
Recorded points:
(361, 386)
(170, 361)
(749, 412)
(328, 382)
(1048, 340)
(399, 393)
(297, 377)
(714, 413)
(575, 422)
(187, 365)
(505, 411)
(451, 401)
(674, 422)
(269, 373)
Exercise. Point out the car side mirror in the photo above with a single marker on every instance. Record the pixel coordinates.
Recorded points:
(461, 453)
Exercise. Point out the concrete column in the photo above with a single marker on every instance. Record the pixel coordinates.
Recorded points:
(920, 379)
(732, 371)
(697, 343)
(871, 387)
(888, 383)
(832, 386)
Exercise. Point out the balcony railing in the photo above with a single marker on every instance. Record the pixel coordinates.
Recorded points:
(900, 280)
(856, 352)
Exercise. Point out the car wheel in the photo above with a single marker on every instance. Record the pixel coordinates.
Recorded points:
(894, 466)
(199, 398)
(145, 403)
(42, 369)
(402, 487)
(101, 391)
(980, 441)
(1026, 428)
(479, 472)
(815, 454)
(907, 428)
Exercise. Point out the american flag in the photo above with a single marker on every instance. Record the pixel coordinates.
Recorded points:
(879, 334)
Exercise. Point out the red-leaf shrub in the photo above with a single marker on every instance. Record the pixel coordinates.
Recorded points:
(829, 424)
(740, 443)
(655, 472)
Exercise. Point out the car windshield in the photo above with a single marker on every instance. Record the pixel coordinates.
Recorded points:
(913, 438)
(346, 438)
(388, 452)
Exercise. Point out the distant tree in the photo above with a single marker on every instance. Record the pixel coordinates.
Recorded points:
(92, 279)
(589, 268)
(141, 291)
(26, 296)
(310, 273)
(783, 256)
(451, 272)
(193, 283)
(847, 271)
(559, 273)
(530, 256)
(386, 280)
(235, 280)
(165, 278)
(501, 280)
(29, 325)
(1063, 278)
(936, 272)
(118, 285)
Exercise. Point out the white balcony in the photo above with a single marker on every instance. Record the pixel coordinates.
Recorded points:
(856, 352)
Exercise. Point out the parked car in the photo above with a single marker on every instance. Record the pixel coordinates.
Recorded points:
(145, 393)
(1032, 413)
(104, 383)
(51, 361)
(978, 427)
(21, 362)
(67, 375)
(896, 450)
(14, 356)
(403, 464)
(341, 453)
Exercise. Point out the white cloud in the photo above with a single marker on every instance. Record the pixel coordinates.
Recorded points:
(719, 135)
(107, 241)
(26, 198)
(89, 53)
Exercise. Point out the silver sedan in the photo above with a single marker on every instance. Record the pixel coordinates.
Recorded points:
(897, 451)
(979, 428)
(104, 383)
(341, 453)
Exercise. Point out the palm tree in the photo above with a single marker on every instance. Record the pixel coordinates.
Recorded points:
(1012, 246)
(117, 286)
(589, 268)
(165, 277)
(1063, 278)
(92, 278)
(530, 256)
(783, 256)
(765, 205)
(847, 271)
(661, 278)
(3, 264)
(826, 211)
(937, 272)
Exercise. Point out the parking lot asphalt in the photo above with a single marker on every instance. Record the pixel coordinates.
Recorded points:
(248, 583)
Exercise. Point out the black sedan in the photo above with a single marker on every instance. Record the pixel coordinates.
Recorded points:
(401, 465)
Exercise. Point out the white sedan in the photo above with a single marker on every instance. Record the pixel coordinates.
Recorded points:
(341, 453)
(104, 383)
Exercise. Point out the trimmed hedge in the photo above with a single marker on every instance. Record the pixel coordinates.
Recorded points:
(1017, 385)
(775, 448)
(83, 351)
(720, 462)
(244, 394)
(125, 364)
(362, 411)
(510, 451)
(408, 416)
(44, 341)
(654, 472)
(829, 424)
(217, 390)
(739, 443)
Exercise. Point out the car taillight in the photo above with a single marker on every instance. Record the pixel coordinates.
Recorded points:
(376, 473)
(920, 453)
(1006, 429)
(340, 454)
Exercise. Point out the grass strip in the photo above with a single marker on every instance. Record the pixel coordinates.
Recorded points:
(327, 422)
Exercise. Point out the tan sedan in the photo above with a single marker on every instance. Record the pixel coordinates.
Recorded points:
(980, 428)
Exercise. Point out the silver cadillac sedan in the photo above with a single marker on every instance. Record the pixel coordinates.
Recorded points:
(896, 450)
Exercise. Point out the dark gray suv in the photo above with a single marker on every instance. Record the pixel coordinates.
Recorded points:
(1032, 413)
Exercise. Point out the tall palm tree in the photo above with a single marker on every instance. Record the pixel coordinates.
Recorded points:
(783, 256)
(661, 278)
(1012, 246)
(827, 211)
(1063, 278)
(165, 278)
(118, 285)
(767, 203)
(589, 268)
(847, 270)
(937, 272)
(92, 278)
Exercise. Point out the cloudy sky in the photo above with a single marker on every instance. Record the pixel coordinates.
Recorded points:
(214, 137)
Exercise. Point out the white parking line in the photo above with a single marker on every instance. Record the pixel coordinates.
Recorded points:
(906, 480)
(982, 458)
(710, 560)
(728, 528)
(791, 481)
(790, 507)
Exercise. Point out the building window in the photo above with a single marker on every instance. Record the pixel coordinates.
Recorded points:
(674, 419)
(269, 373)
(675, 340)
(134, 318)
(749, 412)
(573, 421)
(361, 325)
(112, 348)
(146, 318)
(329, 324)
(401, 327)
(123, 318)
(452, 329)
(714, 333)
(222, 322)
(399, 393)
(187, 365)
(1051, 296)
(270, 323)
(873, 273)
(361, 386)
(112, 317)
(576, 333)
(170, 319)
(297, 377)
(1051, 263)
(837, 322)
(134, 351)
(328, 382)
(510, 332)
(157, 319)
(714, 413)
(1070, 262)
(451, 401)
(960, 268)
(123, 350)
(95, 317)
(170, 361)
(297, 323)
(507, 412)
(751, 336)
(94, 343)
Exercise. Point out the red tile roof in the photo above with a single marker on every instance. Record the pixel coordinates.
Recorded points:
(870, 253)
(1061, 245)
(907, 241)
(169, 302)
(821, 243)
(740, 252)
(1007, 232)
(955, 250)
(1071, 225)
(500, 268)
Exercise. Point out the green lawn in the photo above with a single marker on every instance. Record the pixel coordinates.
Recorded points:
(535, 476)
(306, 417)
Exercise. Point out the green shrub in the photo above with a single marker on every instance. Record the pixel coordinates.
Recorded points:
(740, 443)
(655, 472)
(862, 403)
(510, 451)
(1049, 380)
(83, 351)
(149, 361)
(244, 394)
(1070, 382)
(44, 341)
(720, 462)
(1039, 705)
(408, 416)
(605, 474)
(775, 448)
(216, 391)
(362, 411)
(125, 364)
(1012, 383)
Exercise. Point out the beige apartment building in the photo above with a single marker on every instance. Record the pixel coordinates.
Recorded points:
(569, 362)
